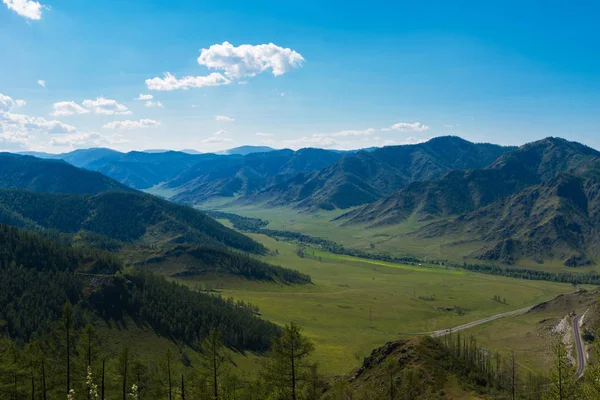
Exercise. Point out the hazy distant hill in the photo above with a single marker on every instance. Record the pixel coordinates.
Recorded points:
(369, 175)
(245, 150)
(540, 201)
(230, 175)
(31, 173)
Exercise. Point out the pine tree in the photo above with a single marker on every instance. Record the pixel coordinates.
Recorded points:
(287, 366)
(213, 358)
(563, 385)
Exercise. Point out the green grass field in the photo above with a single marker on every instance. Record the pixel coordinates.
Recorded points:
(390, 240)
(356, 305)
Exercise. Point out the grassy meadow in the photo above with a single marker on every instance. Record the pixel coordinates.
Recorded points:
(392, 239)
(356, 305)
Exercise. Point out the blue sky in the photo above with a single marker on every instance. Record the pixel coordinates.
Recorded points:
(313, 73)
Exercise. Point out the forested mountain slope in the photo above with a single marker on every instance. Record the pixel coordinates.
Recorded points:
(56, 176)
(367, 176)
(124, 216)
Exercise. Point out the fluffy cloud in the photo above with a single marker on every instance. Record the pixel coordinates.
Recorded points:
(248, 60)
(24, 123)
(26, 8)
(42, 83)
(234, 64)
(170, 82)
(220, 132)
(8, 104)
(407, 127)
(144, 97)
(263, 134)
(65, 108)
(142, 123)
(224, 118)
(13, 141)
(106, 107)
(157, 104)
(268, 142)
(87, 139)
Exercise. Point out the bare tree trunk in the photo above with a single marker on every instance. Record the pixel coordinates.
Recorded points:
(182, 388)
(103, 370)
(44, 379)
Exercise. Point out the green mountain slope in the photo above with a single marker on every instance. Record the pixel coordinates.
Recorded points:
(231, 175)
(539, 201)
(368, 176)
(124, 216)
(31, 173)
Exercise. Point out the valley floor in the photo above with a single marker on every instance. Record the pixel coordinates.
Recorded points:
(355, 305)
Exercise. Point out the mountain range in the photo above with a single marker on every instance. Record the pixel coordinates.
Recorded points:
(540, 201)
(537, 201)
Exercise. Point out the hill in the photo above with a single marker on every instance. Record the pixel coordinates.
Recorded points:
(54, 176)
(123, 216)
(539, 201)
(227, 176)
(367, 176)
(419, 368)
(245, 150)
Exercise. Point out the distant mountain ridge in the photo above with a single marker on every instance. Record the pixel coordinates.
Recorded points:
(365, 177)
(539, 201)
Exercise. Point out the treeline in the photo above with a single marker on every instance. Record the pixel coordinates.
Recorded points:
(38, 276)
(256, 225)
(184, 315)
(75, 363)
(213, 259)
(121, 216)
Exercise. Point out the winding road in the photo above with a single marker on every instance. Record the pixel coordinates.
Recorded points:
(580, 348)
(479, 322)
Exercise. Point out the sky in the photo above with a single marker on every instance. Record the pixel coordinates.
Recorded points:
(211, 75)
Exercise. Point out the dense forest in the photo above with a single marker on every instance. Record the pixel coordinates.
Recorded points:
(121, 216)
(207, 260)
(38, 276)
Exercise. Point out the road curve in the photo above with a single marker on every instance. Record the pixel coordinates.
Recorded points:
(580, 348)
(479, 322)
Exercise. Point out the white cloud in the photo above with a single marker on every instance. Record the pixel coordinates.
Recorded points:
(224, 118)
(106, 107)
(234, 64)
(144, 97)
(87, 139)
(7, 103)
(170, 82)
(219, 132)
(157, 104)
(24, 123)
(264, 134)
(407, 127)
(248, 60)
(142, 123)
(268, 142)
(65, 108)
(13, 141)
(42, 83)
(364, 132)
(26, 8)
